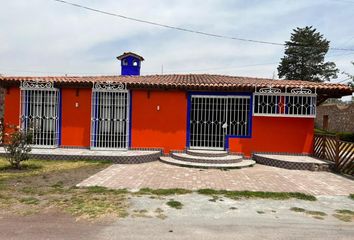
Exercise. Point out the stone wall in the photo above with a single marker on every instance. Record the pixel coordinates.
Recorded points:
(340, 117)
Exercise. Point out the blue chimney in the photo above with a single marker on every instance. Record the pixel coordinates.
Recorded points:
(130, 63)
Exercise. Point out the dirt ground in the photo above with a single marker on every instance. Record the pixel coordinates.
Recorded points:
(201, 217)
(43, 202)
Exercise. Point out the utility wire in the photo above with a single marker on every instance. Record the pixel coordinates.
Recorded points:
(168, 71)
(185, 29)
(344, 80)
(343, 1)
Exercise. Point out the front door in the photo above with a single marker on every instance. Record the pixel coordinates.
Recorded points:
(214, 117)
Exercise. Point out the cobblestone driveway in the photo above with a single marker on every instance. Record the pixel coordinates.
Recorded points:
(258, 178)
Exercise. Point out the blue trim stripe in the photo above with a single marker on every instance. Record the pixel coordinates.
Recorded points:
(130, 117)
(26, 109)
(60, 116)
(189, 103)
(95, 122)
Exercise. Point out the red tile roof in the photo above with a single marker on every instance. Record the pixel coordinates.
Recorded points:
(126, 54)
(190, 82)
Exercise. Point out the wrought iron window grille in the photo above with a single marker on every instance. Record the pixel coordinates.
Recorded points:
(40, 112)
(294, 102)
(110, 116)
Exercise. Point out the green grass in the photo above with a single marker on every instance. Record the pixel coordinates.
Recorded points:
(351, 196)
(163, 192)
(58, 184)
(344, 215)
(46, 184)
(345, 211)
(297, 209)
(315, 214)
(104, 190)
(230, 194)
(87, 205)
(30, 200)
(41, 167)
(324, 132)
(258, 194)
(174, 204)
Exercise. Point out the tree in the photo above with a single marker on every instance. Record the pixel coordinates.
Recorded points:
(304, 57)
(17, 146)
(351, 84)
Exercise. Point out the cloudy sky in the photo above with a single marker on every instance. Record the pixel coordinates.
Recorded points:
(44, 37)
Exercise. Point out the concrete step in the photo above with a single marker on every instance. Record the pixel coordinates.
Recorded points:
(242, 164)
(210, 160)
(206, 153)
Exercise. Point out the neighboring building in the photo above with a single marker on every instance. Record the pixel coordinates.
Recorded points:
(172, 112)
(336, 117)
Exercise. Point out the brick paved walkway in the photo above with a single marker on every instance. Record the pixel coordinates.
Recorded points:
(258, 178)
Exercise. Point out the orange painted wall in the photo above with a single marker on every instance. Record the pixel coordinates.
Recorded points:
(277, 134)
(12, 108)
(164, 128)
(76, 120)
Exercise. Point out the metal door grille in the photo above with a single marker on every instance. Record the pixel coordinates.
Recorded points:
(40, 112)
(110, 119)
(214, 117)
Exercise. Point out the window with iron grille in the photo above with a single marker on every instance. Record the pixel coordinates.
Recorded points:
(299, 102)
(40, 112)
(110, 116)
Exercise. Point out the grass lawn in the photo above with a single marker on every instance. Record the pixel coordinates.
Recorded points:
(43, 185)
(51, 185)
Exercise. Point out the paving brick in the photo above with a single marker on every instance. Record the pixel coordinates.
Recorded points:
(257, 178)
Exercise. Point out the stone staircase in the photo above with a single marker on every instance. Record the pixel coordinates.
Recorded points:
(206, 159)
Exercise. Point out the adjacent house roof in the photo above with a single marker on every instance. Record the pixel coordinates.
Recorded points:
(202, 82)
(126, 54)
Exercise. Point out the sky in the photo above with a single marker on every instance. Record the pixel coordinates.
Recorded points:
(44, 37)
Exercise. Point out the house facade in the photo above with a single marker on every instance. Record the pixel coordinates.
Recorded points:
(170, 112)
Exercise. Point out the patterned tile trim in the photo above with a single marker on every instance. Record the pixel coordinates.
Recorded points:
(293, 165)
(149, 157)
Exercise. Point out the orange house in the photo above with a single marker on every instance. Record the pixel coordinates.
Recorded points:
(168, 112)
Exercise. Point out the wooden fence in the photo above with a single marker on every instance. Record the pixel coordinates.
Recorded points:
(333, 149)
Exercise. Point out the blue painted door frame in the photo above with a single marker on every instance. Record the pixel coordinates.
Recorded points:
(227, 137)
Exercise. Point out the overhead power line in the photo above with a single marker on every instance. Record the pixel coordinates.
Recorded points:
(344, 80)
(343, 1)
(168, 71)
(186, 29)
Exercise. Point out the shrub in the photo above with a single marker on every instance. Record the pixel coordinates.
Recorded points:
(17, 146)
(174, 204)
(346, 136)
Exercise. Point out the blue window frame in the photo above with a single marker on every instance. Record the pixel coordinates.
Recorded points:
(234, 104)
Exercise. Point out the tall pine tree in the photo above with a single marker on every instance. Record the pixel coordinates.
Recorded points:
(304, 57)
(351, 77)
